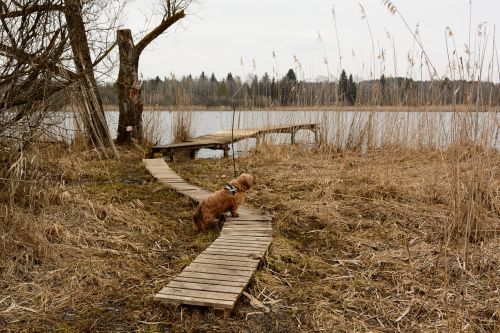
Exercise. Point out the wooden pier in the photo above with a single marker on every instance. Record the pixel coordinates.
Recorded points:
(221, 140)
(217, 277)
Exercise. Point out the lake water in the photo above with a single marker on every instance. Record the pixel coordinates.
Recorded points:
(435, 129)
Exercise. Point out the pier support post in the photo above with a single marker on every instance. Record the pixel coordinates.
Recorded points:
(292, 136)
(316, 135)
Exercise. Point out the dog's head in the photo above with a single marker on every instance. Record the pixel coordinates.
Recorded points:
(245, 180)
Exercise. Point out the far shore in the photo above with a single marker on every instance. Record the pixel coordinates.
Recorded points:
(334, 108)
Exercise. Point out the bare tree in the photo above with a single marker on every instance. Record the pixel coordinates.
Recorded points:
(90, 97)
(129, 87)
(43, 50)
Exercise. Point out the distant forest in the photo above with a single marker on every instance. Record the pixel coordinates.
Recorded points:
(266, 92)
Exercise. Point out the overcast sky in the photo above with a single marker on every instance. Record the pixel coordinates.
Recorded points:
(240, 36)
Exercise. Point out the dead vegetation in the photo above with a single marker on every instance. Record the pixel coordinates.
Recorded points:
(361, 243)
(375, 242)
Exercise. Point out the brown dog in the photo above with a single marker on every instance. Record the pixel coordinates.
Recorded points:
(226, 199)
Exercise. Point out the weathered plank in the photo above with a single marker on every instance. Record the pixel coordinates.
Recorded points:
(198, 293)
(240, 244)
(230, 263)
(250, 226)
(228, 256)
(215, 270)
(200, 301)
(204, 287)
(210, 281)
(249, 217)
(235, 238)
(213, 276)
(206, 267)
(224, 247)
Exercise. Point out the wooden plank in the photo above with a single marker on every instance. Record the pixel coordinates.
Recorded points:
(206, 268)
(228, 263)
(246, 244)
(241, 244)
(185, 185)
(228, 256)
(232, 249)
(237, 247)
(245, 251)
(248, 253)
(198, 293)
(249, 217)
(243, 233)
(219, 304)
(204, 287)
(247, 228)
(213, 276)
(243, 239)
(169, 180)
(165, 173)
(248, 233)
(236, 220)
(253, 255)
(234, 238)
(198, 264)
(251, 223)
(210, 281)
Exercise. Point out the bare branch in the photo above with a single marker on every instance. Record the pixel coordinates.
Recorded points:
(164, 25)
(31, 10)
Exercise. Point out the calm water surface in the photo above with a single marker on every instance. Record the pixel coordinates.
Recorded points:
(413, 128)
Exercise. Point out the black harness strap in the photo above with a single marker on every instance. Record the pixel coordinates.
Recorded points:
(233, 190)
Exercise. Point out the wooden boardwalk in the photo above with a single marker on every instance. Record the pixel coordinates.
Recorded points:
(222, 139)
(219, 274)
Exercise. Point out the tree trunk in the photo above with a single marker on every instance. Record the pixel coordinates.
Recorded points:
(129, 89)
(129, 86)
(94, 118)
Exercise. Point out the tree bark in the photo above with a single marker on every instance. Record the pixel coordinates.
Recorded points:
(129, 86)
(94, 118)
(129, 89)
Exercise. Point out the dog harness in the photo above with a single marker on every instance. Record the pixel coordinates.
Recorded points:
(233, 190)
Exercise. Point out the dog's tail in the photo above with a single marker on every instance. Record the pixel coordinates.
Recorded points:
(198, 218)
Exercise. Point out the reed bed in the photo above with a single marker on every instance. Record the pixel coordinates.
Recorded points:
(379, 242)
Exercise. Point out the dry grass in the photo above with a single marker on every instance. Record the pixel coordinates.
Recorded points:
(182, 128)
(91, 258)
(360, 242)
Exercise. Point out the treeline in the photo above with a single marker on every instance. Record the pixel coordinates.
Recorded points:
(266, 92)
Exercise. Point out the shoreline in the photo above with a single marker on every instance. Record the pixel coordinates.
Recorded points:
(426, 108)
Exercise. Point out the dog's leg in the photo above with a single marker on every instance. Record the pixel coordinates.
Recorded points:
(198, 219)
(234, 210)
(221, 220)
